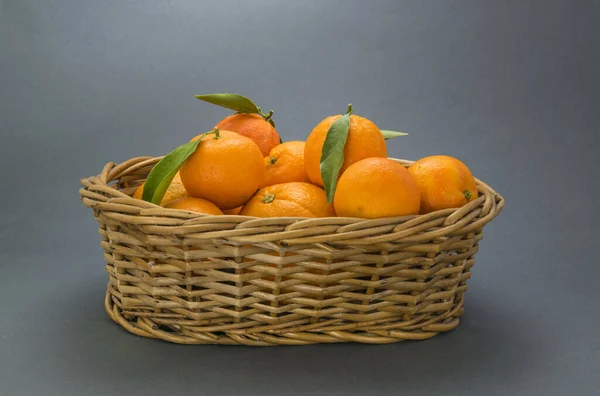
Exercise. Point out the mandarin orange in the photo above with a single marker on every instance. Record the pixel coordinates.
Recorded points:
(295, 199)
(252, 126)
(444, 182)
(175, 191)
(376, 187)
(195, 205)
(364, 141)
(284, 164)
(226, 169)
(233, 211)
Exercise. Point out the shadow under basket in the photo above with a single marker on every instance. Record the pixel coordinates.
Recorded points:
(190, 278)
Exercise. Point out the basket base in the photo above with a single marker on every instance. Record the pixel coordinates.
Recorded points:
(145, 327)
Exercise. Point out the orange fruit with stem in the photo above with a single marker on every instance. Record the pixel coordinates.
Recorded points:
(194, 205)
(364, 141)
(284, 164)
(376, 187)
(444, 182)
(295, 199)
(226, 168)
(175, 191)
(253, 126)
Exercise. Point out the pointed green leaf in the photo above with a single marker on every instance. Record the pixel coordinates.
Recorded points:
(235, 102)
(392, 134)
(164, 171)
(332, 155)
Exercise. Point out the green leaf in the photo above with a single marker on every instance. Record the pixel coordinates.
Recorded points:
(162, 174)
(235, 102)
(392, 134)
(332, 155)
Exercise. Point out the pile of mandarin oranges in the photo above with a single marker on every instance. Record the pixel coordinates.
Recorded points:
(242, 167)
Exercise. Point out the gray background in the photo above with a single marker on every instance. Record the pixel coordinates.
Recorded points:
(510, 87)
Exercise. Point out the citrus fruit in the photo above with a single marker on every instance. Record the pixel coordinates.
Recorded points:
(295, 199)
(284, 164)
(233, 211)
(364, 141)
(376, 187)
(175, 191)
(254, 127)
(194, 205)
(226, 169)
(444, 182)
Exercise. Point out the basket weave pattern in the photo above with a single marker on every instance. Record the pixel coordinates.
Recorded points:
(197, 279)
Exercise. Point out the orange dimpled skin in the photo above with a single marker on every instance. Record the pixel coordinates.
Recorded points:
(374, 188)
(226, 169)
(285, 164)
(254, 127)
(194, 205)
(294, 199)
(364, 141)
(444, 182)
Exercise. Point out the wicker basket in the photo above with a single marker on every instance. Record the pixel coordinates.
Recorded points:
(198, 279)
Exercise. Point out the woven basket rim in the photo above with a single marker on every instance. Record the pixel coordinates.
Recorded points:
(112, 172)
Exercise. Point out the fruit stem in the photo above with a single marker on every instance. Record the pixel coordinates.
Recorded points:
(268, 198)
(467, 194)
(349, 109)
(272, 160)
(268, 115)
(217, 134)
